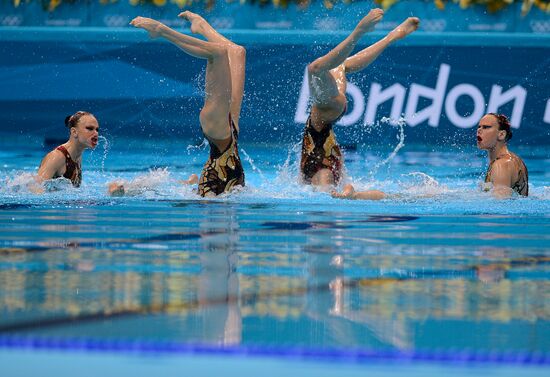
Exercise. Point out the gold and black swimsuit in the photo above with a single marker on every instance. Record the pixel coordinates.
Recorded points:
(223, 170)
(521, 185)
(320, 150)
(73, 171)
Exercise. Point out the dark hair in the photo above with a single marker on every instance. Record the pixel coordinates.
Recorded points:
(503, 124)
(72, 120)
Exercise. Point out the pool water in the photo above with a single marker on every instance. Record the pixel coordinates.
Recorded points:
(439, 273)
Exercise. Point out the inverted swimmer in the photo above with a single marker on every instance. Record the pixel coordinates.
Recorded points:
(66, 160)
(322, 162)
(507, 172)
(219, 117)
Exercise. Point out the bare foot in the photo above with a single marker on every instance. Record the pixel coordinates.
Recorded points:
(368, 22)
(197, 22)
(406, 28)
(148, 24)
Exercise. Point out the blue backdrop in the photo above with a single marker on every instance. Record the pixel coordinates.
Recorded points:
(441, 83)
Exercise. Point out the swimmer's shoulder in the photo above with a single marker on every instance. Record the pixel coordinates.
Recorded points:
(506, 163)
(53, 162)
(55, 157)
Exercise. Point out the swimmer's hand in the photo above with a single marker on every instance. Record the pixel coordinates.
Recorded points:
(116, 189)
(347, 193)
(36, 186)
(193, 179)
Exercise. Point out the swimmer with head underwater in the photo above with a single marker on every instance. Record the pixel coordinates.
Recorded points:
(507, 173)
(321, 163)
(224, 88)
(66, 160)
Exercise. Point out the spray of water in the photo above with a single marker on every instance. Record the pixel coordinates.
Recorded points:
(192, 148)
(400, 123)
(251, 162)
(106, 146)
(149, 182)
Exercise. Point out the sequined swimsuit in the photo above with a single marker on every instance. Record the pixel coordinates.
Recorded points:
(223, 170)
(521, 185)
(73, 170)
(320, 150)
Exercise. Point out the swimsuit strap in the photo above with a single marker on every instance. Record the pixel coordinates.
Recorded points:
(65, 152)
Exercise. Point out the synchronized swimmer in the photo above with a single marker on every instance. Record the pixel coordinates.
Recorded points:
(321, 162)
(66, 160)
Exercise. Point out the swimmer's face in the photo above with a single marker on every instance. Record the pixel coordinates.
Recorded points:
(86, 131)
(488, 133)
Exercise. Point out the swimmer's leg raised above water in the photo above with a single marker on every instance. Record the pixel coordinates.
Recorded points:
(356, 63)
(327, 80)
(237, 59)
(322, 162)
(364, 58)
(213, 117)
(225, 72)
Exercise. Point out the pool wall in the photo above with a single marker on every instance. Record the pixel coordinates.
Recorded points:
(440, 82)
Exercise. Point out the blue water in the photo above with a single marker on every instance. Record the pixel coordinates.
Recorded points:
(439, 273)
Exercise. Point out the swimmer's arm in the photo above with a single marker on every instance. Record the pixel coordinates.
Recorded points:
(51, 166)
(349, 193)
(501, 178)
(369, 195)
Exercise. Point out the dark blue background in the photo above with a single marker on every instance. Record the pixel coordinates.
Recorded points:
(138, 87)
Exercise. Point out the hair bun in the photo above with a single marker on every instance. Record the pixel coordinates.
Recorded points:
(67, 120)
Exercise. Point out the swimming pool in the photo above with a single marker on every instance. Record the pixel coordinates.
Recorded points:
(277, 276)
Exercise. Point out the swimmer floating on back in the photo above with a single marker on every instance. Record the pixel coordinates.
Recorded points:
(507, 172)
(66, 159)
(322, 162)
(219, 117)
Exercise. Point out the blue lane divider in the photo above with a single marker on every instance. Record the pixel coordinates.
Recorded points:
(331, 354)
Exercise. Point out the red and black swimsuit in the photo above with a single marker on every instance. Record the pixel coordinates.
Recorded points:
(73, 171)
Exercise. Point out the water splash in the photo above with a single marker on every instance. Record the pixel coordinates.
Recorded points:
(400, 144)
(106, 146)
(251, 162)
(191, 148)
(421, 184)
(150, 182)
(20, 183)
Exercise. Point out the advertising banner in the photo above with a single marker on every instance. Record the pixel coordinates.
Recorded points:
(439, 87)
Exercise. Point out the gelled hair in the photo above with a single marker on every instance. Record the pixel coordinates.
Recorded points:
(503, 124)
(72, 120)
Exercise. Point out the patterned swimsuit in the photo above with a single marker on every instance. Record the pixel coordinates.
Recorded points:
(223, 170)
(73, 170)
(320, 150)
(521, 185)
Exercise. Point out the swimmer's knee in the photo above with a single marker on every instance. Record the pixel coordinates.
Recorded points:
(314, 68)
(218, 50)
(238, 51)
